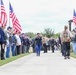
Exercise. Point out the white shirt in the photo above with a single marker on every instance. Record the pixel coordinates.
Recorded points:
(18, 40)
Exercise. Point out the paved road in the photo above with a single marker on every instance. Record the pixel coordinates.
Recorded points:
(47, 64)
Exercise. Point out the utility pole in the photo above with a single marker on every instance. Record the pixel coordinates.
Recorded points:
(70, 22)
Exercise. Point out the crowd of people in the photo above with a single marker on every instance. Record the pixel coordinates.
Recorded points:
(44, 43)
(18, 43)
(13, 42)
(64, 42)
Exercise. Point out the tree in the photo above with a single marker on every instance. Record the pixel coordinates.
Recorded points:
(31, 34)
(48, 32)
(57, 35)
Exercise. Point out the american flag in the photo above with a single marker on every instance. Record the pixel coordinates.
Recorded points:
(3, 15)
(15, 21)
(74, 17)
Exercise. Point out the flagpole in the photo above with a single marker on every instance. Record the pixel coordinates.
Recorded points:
(9, 19)
(9, 15)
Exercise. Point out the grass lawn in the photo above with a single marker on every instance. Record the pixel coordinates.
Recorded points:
(12, 58)
(73, 55)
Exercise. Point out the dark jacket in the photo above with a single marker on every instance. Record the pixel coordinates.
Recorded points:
(14, 40)
(26, 42)
(2, 36)
(52, 42)
(38, 41)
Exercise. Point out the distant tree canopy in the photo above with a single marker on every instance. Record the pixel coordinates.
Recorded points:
(57, 35)
(48, 32)
(31, 34)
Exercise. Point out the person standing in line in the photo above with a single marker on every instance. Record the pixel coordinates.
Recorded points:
(52, 44)
(14, 41)
(38, 40)
(62, 48)
(18, 44)
(2, 41)
(33, 45)
(47, 44)
(25, 43)
(44, 44)
(28, 43)
(66, 36)
(9, 41)
(22, 45)
(74, 41)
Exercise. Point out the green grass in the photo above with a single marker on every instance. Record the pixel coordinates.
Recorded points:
(12, 58)
(73, 55)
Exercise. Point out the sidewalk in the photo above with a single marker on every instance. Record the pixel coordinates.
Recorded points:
(47, 64)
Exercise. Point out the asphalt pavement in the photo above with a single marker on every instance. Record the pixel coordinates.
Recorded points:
(45, 64)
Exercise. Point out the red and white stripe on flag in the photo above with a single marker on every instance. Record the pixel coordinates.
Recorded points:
(15, 21)
(3, 15)
(74, 17)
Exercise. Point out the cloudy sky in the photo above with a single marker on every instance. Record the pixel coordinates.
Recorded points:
(35, 15)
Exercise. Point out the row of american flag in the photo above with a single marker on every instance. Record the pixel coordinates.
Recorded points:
(4, 19)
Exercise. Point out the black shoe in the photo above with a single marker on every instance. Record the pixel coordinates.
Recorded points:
(65, 57)
(68, 57)
(2, 58)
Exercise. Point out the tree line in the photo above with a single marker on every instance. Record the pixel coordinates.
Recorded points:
(48, 32)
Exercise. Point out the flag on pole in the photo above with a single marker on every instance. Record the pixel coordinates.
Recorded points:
(15, 21)
(3, 15)
(74, 17)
